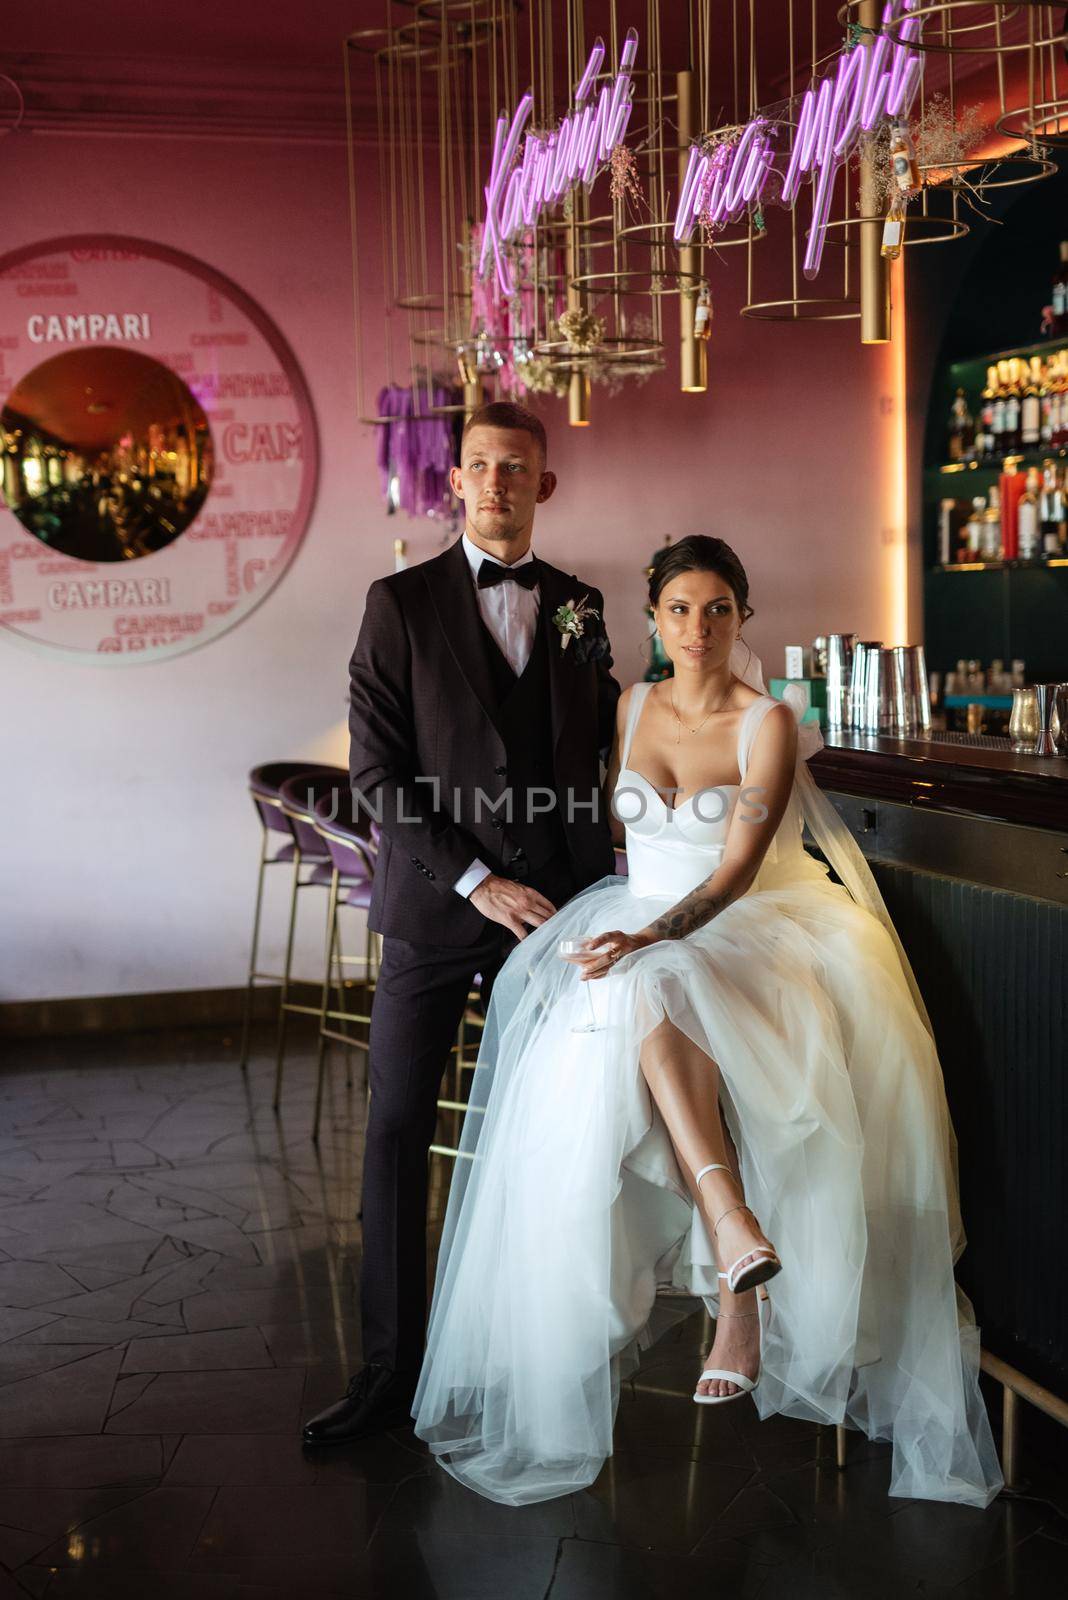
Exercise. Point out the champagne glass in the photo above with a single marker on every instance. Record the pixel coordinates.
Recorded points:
(570, 949)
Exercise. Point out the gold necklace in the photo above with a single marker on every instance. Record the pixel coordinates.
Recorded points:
(700, 725)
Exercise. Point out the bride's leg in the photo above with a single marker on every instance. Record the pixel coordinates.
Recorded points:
(684, 1082)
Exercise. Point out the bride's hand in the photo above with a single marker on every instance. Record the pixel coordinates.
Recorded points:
(602, 953)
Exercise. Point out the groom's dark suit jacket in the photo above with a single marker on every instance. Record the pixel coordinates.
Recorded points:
(425, 703)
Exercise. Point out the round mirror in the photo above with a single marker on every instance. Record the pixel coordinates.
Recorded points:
(107, 454)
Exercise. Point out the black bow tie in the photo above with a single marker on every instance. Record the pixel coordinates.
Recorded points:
(491, 572)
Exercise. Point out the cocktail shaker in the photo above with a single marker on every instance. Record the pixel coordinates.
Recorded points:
(878, 690)
(858, 682)
(1023, 719)
(909, 708)
(897, 713)
(839, 668)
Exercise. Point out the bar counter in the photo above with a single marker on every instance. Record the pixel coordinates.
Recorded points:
(980, 774)
(968, 842)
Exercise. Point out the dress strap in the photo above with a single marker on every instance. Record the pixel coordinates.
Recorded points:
(748, 728)
(634, 711)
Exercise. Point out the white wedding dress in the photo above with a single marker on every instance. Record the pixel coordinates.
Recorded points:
(568, 1209)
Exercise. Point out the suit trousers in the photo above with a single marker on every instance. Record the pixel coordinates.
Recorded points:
(420, 997)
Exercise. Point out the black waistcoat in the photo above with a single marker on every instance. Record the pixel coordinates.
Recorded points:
(524, 718)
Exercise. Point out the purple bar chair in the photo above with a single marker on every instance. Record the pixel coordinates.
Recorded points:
(352, 841)
(277, 848)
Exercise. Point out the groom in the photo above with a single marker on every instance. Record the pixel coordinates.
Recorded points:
(476, 722)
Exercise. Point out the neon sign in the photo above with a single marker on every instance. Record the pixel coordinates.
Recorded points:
(516, 195)
(874, 80)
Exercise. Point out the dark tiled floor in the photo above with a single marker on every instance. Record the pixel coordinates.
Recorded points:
(177, 1288)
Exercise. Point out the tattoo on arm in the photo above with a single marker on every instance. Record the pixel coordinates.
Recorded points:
(691, 913)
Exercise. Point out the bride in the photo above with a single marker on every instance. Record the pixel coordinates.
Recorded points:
(727, 1078)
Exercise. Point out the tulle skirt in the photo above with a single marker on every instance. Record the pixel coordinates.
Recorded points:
(568, 1209)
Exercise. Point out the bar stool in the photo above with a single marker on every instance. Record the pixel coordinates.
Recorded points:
(353, 846)
(264, 783)
(297, 797)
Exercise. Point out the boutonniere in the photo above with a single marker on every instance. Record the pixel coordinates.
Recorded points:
(583, 623)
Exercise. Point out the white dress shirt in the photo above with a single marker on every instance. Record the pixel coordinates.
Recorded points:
(510, 612)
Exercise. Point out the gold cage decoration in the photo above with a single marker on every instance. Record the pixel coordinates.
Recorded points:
(1026, 36)
(439, 72)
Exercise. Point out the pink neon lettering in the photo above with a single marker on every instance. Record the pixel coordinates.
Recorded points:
(593, 67)
(505, 141)
(717, 187)
(573, 152)
(832, 115)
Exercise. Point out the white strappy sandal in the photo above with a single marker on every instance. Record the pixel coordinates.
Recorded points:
(745, 1385)
(740, 1278)
(758, 1272)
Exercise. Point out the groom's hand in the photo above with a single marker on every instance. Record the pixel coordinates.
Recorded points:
(511, 904)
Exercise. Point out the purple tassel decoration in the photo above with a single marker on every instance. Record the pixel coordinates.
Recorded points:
(417, 449)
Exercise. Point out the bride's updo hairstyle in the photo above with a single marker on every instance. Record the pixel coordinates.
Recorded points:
(700, 553)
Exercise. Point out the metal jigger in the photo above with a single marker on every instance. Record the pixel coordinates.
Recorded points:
(1045, 699)
(839, 668)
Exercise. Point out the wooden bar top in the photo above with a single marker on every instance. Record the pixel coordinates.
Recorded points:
(982, 776)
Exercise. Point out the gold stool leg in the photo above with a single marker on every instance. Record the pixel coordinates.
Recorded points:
(1010, 1437)
(458, 1074)
(840, 1437)
(342, 1006)
(283, 1014)
(328, 972)
(246, 1024)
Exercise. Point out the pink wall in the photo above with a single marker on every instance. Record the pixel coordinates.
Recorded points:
(789, 457)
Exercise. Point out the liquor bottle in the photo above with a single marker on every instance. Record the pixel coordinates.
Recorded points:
(1051, 509)
(1001, 386)
(946, 512)
(1028, 539)
(894, 229)
(906, 174)
(985, 437)
(1011, 487)
(1059, 296)
(1045, 400)
(702, 314)
(973, 530)
(961, 428)
(1058, 404)
(1010, 439)
(990, 545)
(1031, 406)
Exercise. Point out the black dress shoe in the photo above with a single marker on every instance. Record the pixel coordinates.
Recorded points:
(377, 1398)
